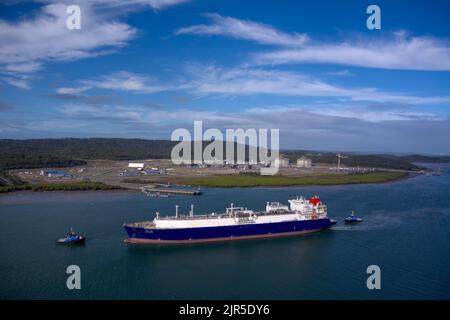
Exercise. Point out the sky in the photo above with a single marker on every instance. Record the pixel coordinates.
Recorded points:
(312, 69)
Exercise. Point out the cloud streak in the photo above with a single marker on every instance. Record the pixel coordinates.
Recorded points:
(244, 29)
(209, 80)
(120, 4)
(122, 81)
(154, 4)
(399, 51)
(306, 127)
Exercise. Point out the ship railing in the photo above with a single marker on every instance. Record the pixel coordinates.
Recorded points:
(197, 216)
(276, 205)
(277, 211)
(235, 209)
(312, 214)
(236, 212)
(240, 212)
(244, 218)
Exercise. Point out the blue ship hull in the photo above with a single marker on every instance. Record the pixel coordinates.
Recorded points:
(225, 233)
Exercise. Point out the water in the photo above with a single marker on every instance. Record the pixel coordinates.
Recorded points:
(406, 232)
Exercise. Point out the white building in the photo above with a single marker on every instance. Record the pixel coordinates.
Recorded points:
(281, 162)
(136, 165)
(304, 162)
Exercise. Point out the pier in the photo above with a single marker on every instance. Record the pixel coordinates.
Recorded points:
(166, 191)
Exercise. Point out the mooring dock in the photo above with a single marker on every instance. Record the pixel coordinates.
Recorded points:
(162, 191)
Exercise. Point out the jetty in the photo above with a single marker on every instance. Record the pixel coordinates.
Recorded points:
(151, 190)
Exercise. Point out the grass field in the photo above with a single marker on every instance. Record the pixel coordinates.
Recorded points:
(259, 181)
(68, 186)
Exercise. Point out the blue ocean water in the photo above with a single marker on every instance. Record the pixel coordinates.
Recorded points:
(406, 233)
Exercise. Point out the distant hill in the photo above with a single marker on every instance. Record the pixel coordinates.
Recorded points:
(36, 153)
(425, 159)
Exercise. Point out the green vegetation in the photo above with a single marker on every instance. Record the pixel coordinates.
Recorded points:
(7, 179)
(38, 153)
(257, 181)
(425, 159)
(71, 186)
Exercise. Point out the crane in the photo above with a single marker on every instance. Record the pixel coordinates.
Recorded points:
(339, 156)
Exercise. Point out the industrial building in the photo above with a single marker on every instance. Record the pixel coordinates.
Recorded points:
(55, 174)
(282, 162)
(135, 165)
(304, 162)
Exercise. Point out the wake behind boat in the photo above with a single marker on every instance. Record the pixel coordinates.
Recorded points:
(301, 216)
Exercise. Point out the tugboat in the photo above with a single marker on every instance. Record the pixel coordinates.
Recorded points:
(352, 219)
(71, 238)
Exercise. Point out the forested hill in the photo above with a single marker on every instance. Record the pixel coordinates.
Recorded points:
(70, 151)
(426, 159)
(36, 153)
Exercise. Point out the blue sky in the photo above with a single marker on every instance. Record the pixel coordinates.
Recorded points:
(312, 69)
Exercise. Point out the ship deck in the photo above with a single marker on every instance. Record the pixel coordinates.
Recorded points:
(235, 214)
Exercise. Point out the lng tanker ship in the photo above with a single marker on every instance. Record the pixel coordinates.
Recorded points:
(301, 216)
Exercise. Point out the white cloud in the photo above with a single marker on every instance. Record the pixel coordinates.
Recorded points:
(305, 127)
(244, 29)
(27, 44)
(75, 90)
(251, 81)
(248, 81)
(373, 115)
(128, 4)
(16, 80)
(123, 81)
(377, 128)
(155, 4)
(206, 80)
(341, 73)
(258, 117)
(399, 51)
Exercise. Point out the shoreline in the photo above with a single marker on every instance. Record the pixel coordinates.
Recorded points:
(98, 186)
(74, 186)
